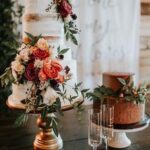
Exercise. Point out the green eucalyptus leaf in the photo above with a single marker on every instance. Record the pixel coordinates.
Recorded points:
(48, 122)
(122, 81)
(76, 91)
(83, 92)
(73, 38)
(74, 97)
(54, 126)
(44, 112)
(65, 28)
(67, 36)
(74, 31)
(79, 84)
(62, 52)
(58, 49)
(63, 86)
(30, 36)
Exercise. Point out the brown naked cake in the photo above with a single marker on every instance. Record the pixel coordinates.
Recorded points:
(125, 112)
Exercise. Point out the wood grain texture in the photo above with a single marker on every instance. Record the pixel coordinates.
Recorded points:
(73, 133)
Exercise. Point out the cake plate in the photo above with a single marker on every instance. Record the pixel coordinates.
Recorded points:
(45, 139)
(120, 139)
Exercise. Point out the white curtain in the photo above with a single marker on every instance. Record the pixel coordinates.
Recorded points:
(109, 39)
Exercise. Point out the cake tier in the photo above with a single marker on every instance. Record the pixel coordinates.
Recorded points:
(124, 112)
(19, 94)
(110, 79)
(127, 112)
(38, 6)
(46, 24)
(12, 103)
(36, 20)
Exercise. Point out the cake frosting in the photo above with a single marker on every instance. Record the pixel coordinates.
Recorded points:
(124, 112)
(37, 21)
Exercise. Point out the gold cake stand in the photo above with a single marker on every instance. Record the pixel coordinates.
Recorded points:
(45, 139)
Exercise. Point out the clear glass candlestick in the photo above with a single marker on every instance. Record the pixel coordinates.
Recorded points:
(94, 128)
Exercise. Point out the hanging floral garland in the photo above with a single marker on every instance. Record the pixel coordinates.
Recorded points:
(65, 12)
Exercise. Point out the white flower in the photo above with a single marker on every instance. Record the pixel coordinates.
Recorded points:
(24, 52)
(18, 58)
(42, 44)
(50, 96)
(24, 55)
(18, 67)
(38, 63)
(68, 76)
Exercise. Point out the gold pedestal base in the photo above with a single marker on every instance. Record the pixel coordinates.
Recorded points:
(46, 138)
(47, 141)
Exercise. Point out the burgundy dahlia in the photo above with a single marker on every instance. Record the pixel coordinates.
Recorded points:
(30, 72)
(65, 8)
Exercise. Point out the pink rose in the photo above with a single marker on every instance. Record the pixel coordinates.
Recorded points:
(52, 68)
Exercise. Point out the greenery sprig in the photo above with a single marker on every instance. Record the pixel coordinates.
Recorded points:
(7, 77)
(32, 39)
(71, 30)
(127, 91)
(9, 39)
(37, 105)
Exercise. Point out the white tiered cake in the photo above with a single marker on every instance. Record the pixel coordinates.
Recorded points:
(37, 21)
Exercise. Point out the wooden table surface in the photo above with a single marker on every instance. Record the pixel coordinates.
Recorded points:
(74, 134)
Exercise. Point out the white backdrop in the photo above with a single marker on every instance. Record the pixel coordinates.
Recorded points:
(109, 40)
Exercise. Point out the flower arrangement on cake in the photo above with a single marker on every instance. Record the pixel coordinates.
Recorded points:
(65, 12)
(127, 90)
(42, 79)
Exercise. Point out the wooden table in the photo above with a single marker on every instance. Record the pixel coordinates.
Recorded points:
(73, 133)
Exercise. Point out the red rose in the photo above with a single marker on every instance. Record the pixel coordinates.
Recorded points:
(41, 54)
(30, 72)
(52, 69)
(65, 8)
